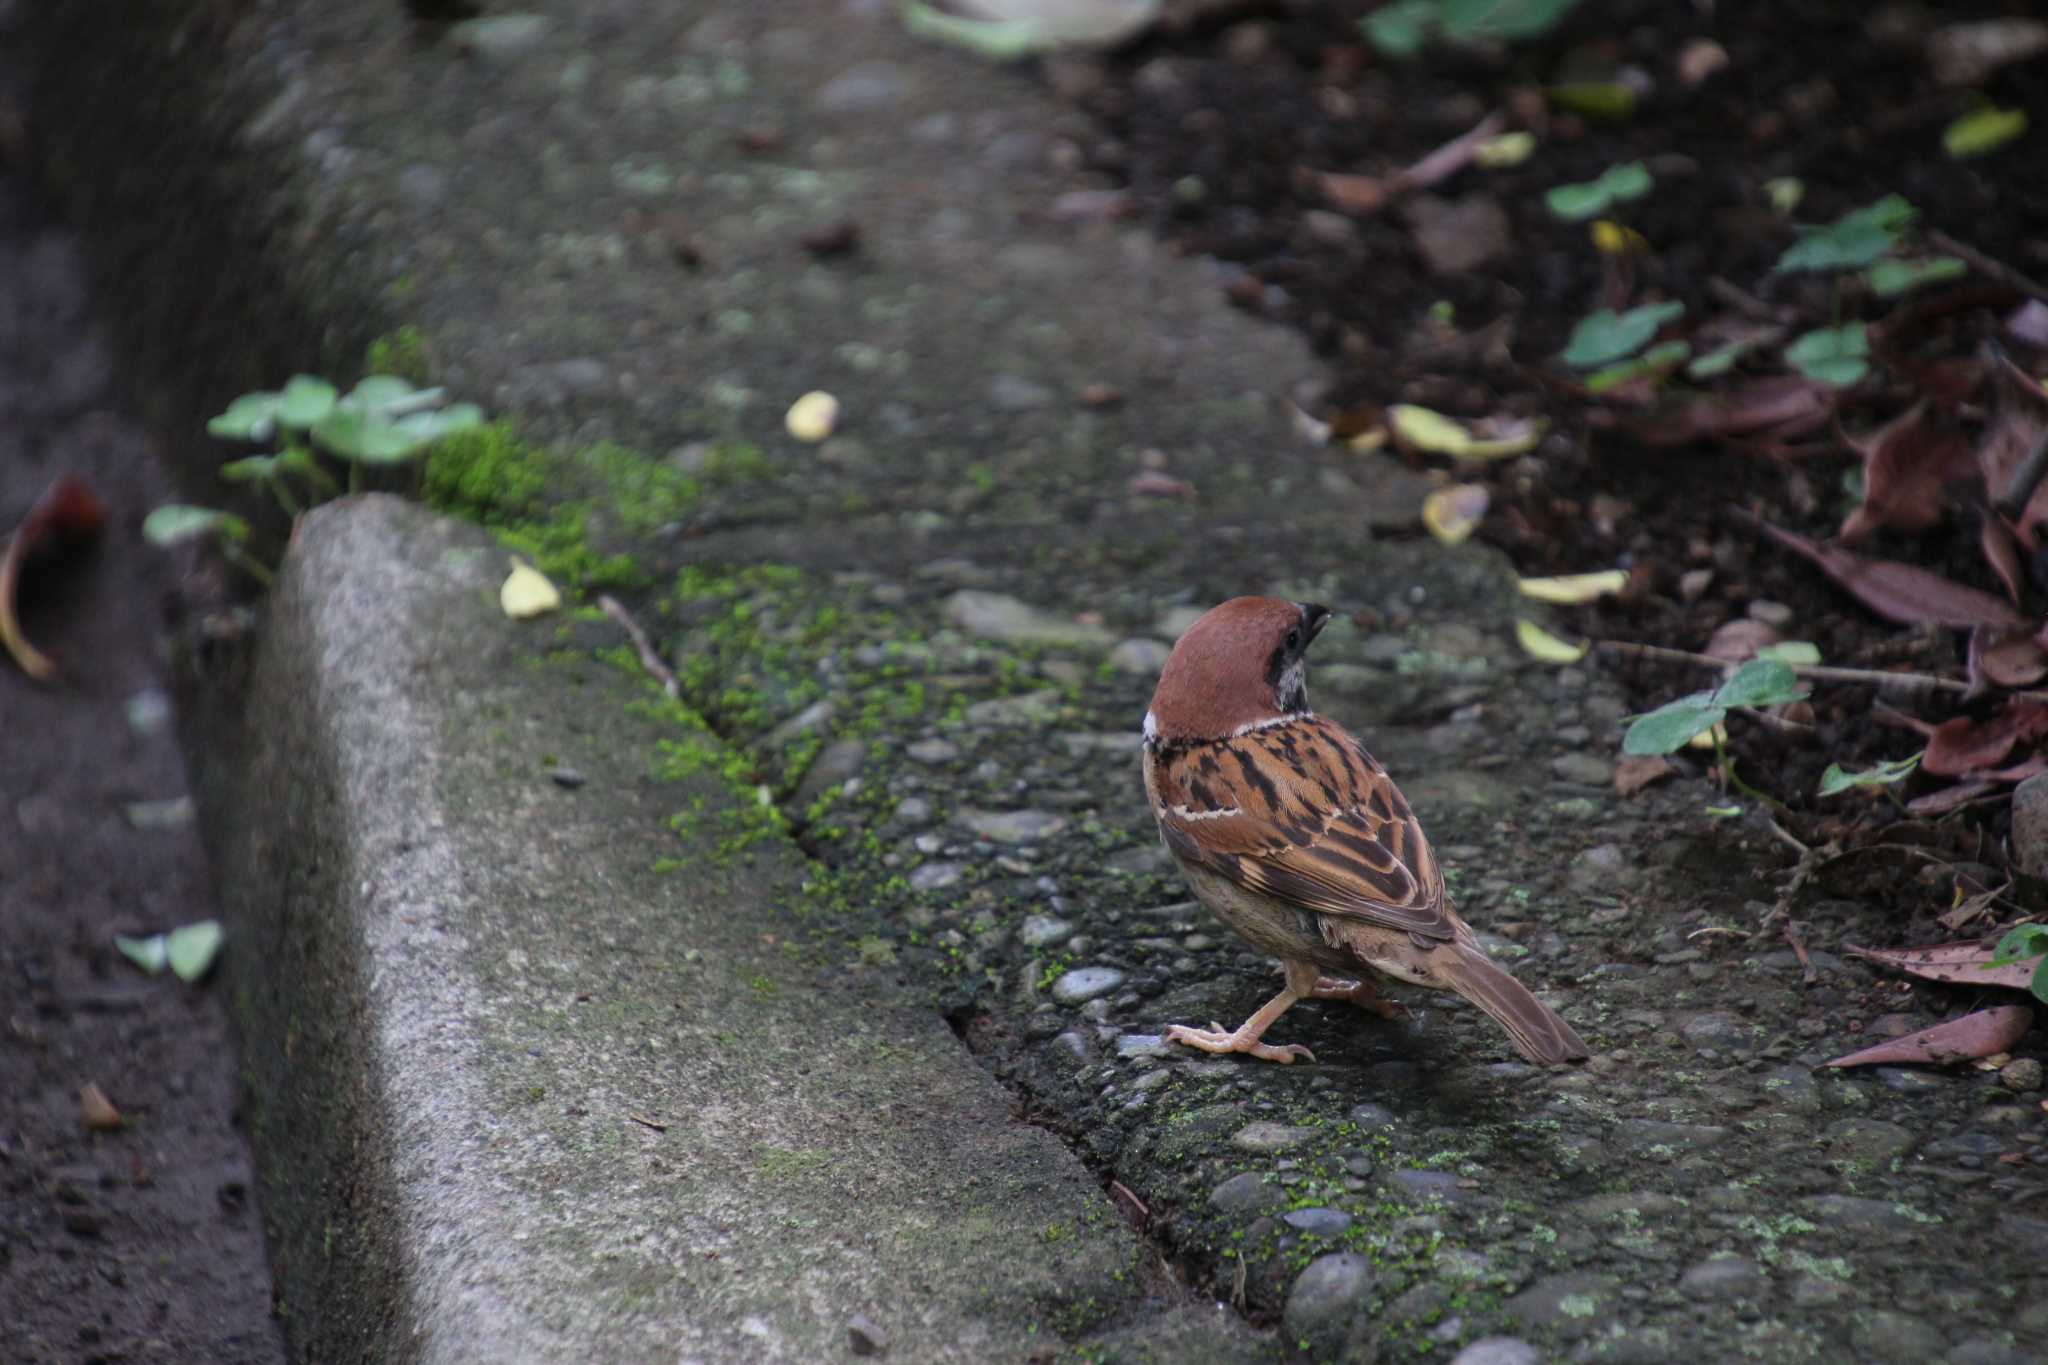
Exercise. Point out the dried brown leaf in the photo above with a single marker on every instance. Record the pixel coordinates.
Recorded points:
(96, 1111)
(2002, 552)
(1968, 963)
(1633, 772)
(1961, 744)
(1951, 798)
(2016, 428)
(1900, 592)
(1784, 405)
(1905, 463)
(2006, 657)
(1974, 1035)
(67, 510)
(1154, 483)
(1738, 641)
(1359, 195)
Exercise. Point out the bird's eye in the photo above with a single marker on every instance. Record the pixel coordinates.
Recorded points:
(1293, 639)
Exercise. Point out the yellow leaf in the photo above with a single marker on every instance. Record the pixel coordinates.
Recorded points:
(526, 592)
(1617, 239)
(812, 417)
(1453, 513)
(1432, 431)
(1509, 149)
(1539, 643)
(1372, 438)
(1706, 739)
(1573, 589)
(1983, 131)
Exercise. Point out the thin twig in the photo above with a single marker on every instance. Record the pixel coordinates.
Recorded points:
(649, 660)
(1905, 682)
(1742, 301)
(1807, 975)
(1789, 838)
(1985, 265)
(656, 1124)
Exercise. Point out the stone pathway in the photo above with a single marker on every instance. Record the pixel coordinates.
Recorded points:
(928, 641)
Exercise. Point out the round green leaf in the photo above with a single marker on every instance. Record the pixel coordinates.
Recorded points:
(250, 469)
(1575, 203)
(1852, 241)
(175, 523)
(1832, 355)
(1889, 278)
(1669, 727)
(1760, 682)
(1605, 335)
(252, 417)
(305, 400)
(381, 394)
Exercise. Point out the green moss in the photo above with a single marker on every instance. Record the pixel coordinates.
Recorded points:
(402, 352)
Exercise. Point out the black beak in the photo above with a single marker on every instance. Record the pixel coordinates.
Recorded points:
(1314, 617)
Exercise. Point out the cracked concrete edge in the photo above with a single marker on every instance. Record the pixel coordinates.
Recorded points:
(463, 986)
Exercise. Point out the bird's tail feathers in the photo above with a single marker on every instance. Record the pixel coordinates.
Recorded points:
(1539, 1032)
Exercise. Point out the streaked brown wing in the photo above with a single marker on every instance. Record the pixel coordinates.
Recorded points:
(1301, 812)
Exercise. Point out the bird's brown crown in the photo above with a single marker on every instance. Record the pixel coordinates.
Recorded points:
(1239, 665)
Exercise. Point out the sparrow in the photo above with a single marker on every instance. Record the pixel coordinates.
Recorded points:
(1296, 838)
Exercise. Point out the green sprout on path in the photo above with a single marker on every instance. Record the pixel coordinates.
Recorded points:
(1763, 681)
(1402, 29)
(1838, 779)
(1852, 241)
(1836, 356)
(384, 420)
(1591, 198)
(1672, 726)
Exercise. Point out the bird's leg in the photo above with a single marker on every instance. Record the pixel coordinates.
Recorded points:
(1301, 979)
(1362, 993)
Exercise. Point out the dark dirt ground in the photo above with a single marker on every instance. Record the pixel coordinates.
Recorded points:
(143, 1244)
(1840, 97)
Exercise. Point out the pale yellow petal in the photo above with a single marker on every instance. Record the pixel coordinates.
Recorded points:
(813, 417)
(1573, 589)
(527, 592)
(1539, 643)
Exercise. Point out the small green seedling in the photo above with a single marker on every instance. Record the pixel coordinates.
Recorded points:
(176, 523)
(1605, 336)
(1402, 29)
(1888, 279)
(1669, 728)
(384, 420)
(2027, 942)
(1722, 359)
(1655, 363)
(1838, 356)
(1838, 779)
(1591, 198)
(1852, 241)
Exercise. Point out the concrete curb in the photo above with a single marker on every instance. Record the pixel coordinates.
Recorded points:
(520, 1095)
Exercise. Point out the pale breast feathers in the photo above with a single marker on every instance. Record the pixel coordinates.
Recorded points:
(1301, 812)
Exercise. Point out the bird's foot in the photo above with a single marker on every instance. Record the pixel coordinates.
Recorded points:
(1215, 1039)
(1363, 994)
